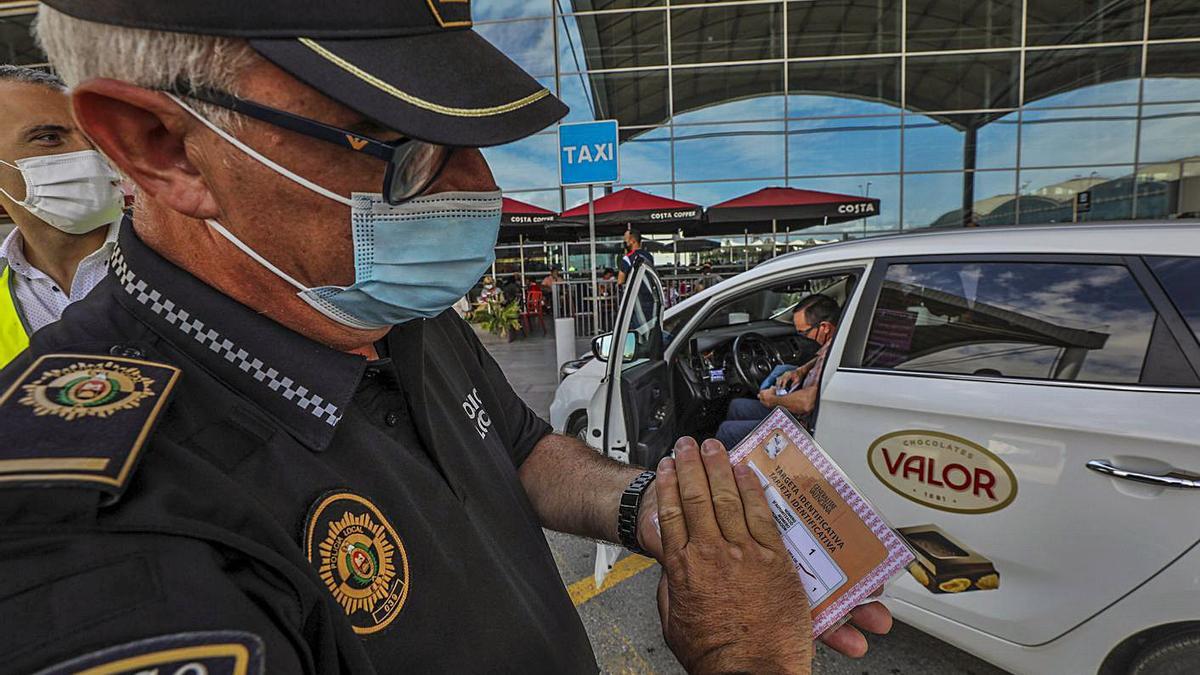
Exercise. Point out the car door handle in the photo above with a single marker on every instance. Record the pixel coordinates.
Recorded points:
(1173, 479)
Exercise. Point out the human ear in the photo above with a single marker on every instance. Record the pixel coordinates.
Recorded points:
(144, 133)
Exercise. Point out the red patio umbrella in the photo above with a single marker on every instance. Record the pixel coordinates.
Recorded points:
(778, 208)
(645, 212)
(519, 220)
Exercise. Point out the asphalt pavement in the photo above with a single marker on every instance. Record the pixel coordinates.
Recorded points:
(621, 617)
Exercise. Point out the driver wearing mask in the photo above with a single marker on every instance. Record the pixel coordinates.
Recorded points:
(816, 319)
(64, 198)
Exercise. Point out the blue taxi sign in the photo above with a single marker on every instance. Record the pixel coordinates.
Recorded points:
(587, 153)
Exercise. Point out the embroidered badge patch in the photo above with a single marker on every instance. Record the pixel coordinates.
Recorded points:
(87, 389)
(360, 558)
(80, 419)
(208, 652)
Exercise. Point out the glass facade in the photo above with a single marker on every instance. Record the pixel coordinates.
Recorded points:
(951, 112)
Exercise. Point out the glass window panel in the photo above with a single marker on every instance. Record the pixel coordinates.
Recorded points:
(850, 145)
(621, 40)
(713, 152)
(645, 155)
(1181, 279)
(884, 188)
(17, 46)
(941, 143)
(1059, 321)
(937, 199)
(1048, 195)
(1063, 77)
(488, 10)
(962, 81)
(741, 32)
(529, 43)
(1082, 136)
(1158, 192)
(843, 87)
(547, 199)
(637, 98)
(837, 27)
(1170, 133)
(704, 88)
(1172, 73)
(529, 163)
(935, 25)
(1174, 19)
(1055, 22)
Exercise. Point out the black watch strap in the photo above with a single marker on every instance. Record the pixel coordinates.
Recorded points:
(627, 513)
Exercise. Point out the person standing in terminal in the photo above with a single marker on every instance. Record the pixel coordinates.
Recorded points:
(633, 244)
(266, 440)
(64, 198)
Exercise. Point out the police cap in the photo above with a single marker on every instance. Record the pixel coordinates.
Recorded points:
(413, 65)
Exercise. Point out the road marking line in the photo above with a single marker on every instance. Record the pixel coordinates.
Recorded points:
(585, 589)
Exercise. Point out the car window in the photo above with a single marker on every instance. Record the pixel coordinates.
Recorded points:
(777, 302)
(646, 323)
(1181, 279)
(1062, 321)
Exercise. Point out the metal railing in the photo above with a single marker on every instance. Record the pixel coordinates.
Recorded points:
(573, 298)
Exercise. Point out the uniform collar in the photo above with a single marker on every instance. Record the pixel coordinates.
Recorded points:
(303, 385)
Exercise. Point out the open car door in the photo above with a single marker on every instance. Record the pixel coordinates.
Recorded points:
(631, 416)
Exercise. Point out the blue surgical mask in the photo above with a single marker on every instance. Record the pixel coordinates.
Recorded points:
(411, 261)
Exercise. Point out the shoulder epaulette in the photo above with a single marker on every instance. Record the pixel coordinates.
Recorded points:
(73, 419)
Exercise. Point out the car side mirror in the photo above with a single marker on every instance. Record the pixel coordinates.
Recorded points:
(602, 346)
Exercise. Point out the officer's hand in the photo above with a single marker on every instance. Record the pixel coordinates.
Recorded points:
(730, 599)
(787, 379)
(647, 532)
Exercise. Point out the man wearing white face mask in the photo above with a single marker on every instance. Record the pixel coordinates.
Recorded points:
(64, 199)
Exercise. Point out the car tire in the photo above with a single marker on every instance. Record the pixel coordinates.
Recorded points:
(1176, 655)
(577, 428)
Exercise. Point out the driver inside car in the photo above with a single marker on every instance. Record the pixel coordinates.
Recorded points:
(815, 318)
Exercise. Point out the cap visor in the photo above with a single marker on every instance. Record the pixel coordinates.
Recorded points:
(452, 88)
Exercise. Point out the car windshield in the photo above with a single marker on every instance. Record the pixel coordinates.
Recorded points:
(775, 303)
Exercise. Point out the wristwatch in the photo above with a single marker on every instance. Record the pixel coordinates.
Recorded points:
(627, 513)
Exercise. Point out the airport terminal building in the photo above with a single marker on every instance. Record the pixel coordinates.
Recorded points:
(950, 112)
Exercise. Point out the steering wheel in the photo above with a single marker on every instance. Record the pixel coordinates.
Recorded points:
(754, 358)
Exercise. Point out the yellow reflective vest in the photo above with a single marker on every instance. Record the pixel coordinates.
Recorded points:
(14, 337)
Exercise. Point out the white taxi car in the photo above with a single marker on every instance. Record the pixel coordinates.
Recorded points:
(1033, 393)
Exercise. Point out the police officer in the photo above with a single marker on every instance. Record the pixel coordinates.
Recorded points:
(263, 442)
(64, 198)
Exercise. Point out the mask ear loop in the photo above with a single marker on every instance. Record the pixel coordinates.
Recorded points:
(262, 159)
(27, 191)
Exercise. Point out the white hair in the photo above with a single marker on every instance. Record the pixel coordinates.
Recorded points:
(81, 50)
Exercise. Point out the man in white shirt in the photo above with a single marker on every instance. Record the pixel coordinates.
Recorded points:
(63, 196)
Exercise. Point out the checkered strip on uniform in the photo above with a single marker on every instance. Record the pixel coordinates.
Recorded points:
(190, 325)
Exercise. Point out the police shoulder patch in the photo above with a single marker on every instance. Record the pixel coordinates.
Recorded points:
(359, 557)
(199, 653)
(81, 420)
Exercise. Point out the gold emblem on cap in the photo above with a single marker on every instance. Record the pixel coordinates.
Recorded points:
(87, 390)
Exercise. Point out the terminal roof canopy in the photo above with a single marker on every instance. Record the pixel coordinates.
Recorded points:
(934, 84)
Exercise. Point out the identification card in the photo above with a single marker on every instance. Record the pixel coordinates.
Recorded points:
(842, 548)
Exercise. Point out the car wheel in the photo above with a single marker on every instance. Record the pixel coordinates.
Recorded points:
(578, 427)
(1177, 655)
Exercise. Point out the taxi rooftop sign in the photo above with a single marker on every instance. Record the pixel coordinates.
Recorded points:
(587, 153)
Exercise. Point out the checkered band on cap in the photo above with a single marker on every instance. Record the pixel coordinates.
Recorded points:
(192, 326)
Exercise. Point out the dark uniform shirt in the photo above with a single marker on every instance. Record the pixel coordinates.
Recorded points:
(628, 260)
(348, 516)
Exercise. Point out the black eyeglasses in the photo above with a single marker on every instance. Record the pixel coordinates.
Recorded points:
(412, 165)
